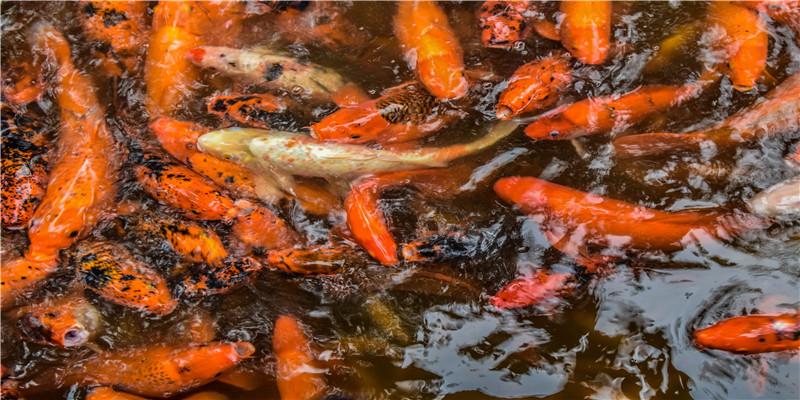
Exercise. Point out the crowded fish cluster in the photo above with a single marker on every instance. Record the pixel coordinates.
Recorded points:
(162, 163)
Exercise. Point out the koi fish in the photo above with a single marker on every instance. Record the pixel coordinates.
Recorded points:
(107, 393)
(442, 247)
(745, 40)
(317, 260)
(612, 113)
(298, 375)
(779, 201)
(118, 31)
(300, 155)
(21, 83)
(222, 279)
(82, 183)
(111, 271)
(24, 168)
(403, 113)
(263, 110)
(502, 23)
(534, 86)
(785, 12)
(778, 114)
(586, 29)
(756, 333)
(192, 241)
(261, 65)
(67, 322)
(531, 290)
(258, 226)
(323, 24)
(574, 221)
(159, 371)
(430, 48)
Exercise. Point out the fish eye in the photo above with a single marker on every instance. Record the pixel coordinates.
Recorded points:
(553, 133)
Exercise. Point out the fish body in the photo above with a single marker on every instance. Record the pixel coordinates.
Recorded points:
(225, 277)
(66, 322)
(586, 29)
(159, 371)
(534, 86)
(106, 393)
(404, 113)
(259, 227)
(24, 168)
(757, 333)
(502, 23)
(111, 271)
(298, 375)
(745, 41)
(779, 201)
(322, 23)
(317, 260)
(22, 83)
(531, 290)
(261, 110)
(574, 221)
(430, 48)
(192, 241)
(118, 31)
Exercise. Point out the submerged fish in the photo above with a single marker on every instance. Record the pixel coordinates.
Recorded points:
(752, 334)
(779, 201)
(66, 322)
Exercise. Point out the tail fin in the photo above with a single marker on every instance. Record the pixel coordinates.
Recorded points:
(648, 144)
(499, 131)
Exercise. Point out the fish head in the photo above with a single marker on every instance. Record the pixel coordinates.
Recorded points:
(350, 125)
(230, 144)
(64, 324)
(201, 362)
(551, 128)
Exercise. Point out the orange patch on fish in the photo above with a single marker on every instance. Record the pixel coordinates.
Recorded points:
(502, 23)
(118, 31)
(752, 334)
(745, 41)
(298, 374)
(66, 322)
(534, 86)
(586, 29)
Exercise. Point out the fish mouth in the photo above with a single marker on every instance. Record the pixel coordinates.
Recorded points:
(75, 335)
(244, 349)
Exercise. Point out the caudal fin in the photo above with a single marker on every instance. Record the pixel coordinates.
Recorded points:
(499, 131)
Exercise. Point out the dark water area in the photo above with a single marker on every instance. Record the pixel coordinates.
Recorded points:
(429, 331)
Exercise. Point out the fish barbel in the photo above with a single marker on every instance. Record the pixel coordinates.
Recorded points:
(301, 155)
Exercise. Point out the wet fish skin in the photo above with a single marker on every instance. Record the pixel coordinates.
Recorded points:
(66, 322)
(749, 334)
(779, 201)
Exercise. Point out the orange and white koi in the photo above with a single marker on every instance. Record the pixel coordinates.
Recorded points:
(66, 322)
(586, 29)
(403, 113)
(111, 271)
(261, 110)
(82, 182)
(24, 168)
(502, 23)
(613, 113)
(778, 114)
(298, 375)
(430, 48)
(225, 277)
(159, 371)
(575, 221)
(781, 200)
(756, 333)
(534, 86)
(745, 41)
(531, 290)
(118, 31)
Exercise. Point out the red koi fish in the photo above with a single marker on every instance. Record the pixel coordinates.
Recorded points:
(757, 333)
(222, 279)
(24, 168)
(82, 182)
(317, 260)
(262, 110)
(299, 377)
(258, 226)
(778, 114)
(66, 322)
(118, 31)
(160, 371)
(21, 83)
(612, 113)
(574, 221)
(111, 271)
(745, 41)
(403, 113)
(531, 290)
(534, 86)
(365, 218)
(431, 48)
(502, 23)
(586, 29)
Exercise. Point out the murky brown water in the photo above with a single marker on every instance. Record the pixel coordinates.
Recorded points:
(625, 335)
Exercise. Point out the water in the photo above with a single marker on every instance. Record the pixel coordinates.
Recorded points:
(626, 334)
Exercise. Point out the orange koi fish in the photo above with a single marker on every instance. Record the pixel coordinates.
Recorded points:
(258, 226)
(317, 260)
(586, 29)
(756, 333)
(159, 371)
(745, 40)
(430, 48)
(24, 168)
(403, 113)
(118, 31)
(66, 322)
(502, 23)
(180, 187)
(613, 113)
(263, 110)
(299, 377)
(111, 271)
(82, 182)
(106, 393)
(195, 243)
(574, 221)
(778, 114)
(21, 83)
(534, 86)
(322, 23)
(786, 12)
(442, 247)
(222, 279)
(365, 218)
(531, 290)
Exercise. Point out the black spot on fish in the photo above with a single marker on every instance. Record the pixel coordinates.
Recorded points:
(273, 72)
